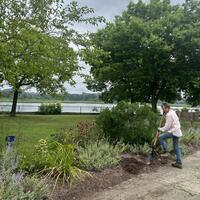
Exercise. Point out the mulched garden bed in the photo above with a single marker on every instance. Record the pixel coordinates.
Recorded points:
(130, 165)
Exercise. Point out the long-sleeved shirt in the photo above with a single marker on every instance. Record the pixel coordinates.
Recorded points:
(172, 124)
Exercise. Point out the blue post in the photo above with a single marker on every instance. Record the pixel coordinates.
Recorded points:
(10, 140)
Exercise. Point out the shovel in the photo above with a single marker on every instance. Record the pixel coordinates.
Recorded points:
(154, 154)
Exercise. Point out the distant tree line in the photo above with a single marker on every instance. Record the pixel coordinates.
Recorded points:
(23, 95)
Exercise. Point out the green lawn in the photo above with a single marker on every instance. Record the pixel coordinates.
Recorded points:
(28, 129)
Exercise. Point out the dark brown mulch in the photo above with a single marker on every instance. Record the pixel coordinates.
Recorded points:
(129, 166)
(133, 164)
(98, 181)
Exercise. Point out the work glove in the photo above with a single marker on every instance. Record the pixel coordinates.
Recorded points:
(160, 129)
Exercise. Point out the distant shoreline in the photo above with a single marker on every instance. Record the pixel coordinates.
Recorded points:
(49, 101)
(7, 100)
(69, 107)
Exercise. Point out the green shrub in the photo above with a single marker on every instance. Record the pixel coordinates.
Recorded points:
(14, 185)
(50, 109)
(54, 159)
(89, 146)
(56, 155)
(65, 136)
(99, 155)
(131, 123)
(184, 110)
(138, 149)
(84, 132)
(88, 133)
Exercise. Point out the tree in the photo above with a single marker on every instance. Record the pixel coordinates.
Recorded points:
(36, 38)
(136, 58)
(187, 42)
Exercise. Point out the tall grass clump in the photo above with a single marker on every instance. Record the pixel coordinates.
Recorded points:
(53, 159)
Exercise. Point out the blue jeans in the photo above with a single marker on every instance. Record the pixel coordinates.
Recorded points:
(177, 151)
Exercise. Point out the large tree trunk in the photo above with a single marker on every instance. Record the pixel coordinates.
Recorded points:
(14, 104)
(154, 104)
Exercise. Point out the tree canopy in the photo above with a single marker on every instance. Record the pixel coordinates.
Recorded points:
(36, 39)
(147, 54)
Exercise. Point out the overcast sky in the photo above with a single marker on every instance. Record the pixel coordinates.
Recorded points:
(108, 9)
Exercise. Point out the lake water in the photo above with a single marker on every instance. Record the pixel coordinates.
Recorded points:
(66, 107)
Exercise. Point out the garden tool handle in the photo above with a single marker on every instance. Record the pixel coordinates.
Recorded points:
(161, 120)
(158, 133)
(156, 138)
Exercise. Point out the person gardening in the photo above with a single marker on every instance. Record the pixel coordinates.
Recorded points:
(171, 129)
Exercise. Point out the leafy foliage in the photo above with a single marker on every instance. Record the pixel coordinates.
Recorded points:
(54, 159)
(98, 155)
(68, 152)
(83, 133)
(50, 109)
(131, 123)
(138, 149)
(184, 110)
(17, 186)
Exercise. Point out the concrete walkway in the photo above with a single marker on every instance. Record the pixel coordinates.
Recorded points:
(166, 184)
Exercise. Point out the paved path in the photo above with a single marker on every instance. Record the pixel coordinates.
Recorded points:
(166, 184)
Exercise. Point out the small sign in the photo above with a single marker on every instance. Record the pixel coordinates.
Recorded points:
(10, 138)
